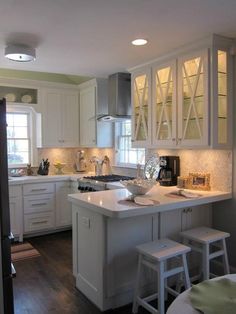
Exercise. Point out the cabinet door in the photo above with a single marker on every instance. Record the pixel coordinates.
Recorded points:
(141, 108)
(222, 98)
(164, 105)
(63, 206)
(193, 100)
(51, 118)
(197, 216)
(87, 117)
(70, 119)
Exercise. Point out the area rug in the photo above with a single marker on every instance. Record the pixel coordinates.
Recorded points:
(23, 251)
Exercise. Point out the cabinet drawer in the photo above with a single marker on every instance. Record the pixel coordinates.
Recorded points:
(38, 188)
(15, 190)
(38, 203)
(37, 222)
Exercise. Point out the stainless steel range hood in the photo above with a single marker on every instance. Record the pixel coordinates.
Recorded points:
(119, 98)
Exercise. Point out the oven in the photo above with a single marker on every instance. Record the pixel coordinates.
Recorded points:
(99, 183)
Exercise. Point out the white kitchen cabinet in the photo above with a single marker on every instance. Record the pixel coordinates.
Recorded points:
(164, 127)
(141, 107)
(63, 206)
(16, 211)
(190, 102)
(93, 103)
(174, 221)
(39, 207)
(59, 118)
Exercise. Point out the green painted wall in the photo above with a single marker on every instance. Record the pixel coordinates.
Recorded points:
(43, 76)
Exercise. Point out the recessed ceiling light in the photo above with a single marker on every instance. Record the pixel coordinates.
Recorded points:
(20, 53)
(139, 42)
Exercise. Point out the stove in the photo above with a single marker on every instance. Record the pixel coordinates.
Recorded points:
(99, 183)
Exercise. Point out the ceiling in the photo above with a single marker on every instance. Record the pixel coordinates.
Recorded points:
(92, 37)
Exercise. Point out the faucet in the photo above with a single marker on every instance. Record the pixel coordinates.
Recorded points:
(98, 165)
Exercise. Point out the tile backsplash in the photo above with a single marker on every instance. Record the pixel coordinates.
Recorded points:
(217, 162)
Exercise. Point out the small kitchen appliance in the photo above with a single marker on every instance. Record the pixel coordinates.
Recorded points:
(80, 164)
(169, 170)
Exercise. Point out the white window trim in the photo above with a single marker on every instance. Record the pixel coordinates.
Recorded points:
(32, 132)
(116, 141)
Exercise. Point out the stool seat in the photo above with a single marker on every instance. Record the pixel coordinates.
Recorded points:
(204, 235)
(211, 244)
(156, 255)
(162, 249)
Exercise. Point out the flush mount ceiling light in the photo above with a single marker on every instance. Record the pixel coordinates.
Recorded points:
(20, 53)
(139, 42)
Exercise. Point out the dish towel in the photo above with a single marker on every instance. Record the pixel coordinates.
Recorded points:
(214, 297)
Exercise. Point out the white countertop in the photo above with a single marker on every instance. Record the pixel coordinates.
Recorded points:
(107, 202)
(48, 178)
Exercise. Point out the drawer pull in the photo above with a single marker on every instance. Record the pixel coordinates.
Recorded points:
(39, 222)
(36, 190)
(39, 204)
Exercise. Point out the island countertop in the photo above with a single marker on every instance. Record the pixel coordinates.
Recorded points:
(111, 203)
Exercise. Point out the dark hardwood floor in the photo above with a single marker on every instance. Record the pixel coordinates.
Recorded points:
(45, 284)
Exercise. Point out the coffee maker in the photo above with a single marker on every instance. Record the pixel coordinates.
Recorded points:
(169, 170)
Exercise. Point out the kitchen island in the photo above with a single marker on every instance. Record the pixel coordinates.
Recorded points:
(106, 229)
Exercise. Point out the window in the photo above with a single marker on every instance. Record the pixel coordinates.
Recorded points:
(20, 135)
(125, 154)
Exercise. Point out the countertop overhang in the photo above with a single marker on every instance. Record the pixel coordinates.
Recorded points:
(107, 202)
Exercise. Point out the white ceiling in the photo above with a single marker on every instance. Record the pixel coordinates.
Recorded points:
(92, 37)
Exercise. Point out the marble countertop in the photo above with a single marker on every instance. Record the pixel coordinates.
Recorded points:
(111, 203)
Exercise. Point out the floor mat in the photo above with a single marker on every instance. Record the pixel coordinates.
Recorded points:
(23, 251)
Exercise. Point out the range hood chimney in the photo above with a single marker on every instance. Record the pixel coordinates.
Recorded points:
(119, 98)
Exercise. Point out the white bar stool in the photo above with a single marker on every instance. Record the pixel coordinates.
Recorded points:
(201, 240)
(154, 255)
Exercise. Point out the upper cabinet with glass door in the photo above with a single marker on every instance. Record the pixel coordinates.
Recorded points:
(193, 103)
(141, 108)
(164, 104)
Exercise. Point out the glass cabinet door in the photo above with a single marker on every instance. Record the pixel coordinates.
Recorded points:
(164, 105)
(193, 101)
(222, 113)
(141, 108)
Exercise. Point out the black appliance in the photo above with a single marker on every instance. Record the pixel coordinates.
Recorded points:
(169, 170)
(6, 268)
(99, 183)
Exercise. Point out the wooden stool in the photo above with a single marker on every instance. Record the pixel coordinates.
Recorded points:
(154, 255)
(200, 239)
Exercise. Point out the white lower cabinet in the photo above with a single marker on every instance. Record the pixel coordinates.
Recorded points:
(38, 222)
(174, 221)
(63, 206)
(39, 206)
(104, 255)
(16, 211)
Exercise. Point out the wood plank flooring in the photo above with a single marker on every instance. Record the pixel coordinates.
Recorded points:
(45, 284)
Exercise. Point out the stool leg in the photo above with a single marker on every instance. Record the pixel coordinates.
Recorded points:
(205, 262)
(186, 274)
(225, 258)
(161, 288)
(136, 291)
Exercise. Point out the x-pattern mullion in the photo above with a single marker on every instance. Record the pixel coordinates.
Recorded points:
(192, 92)
(163, 99)
(141, 117)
